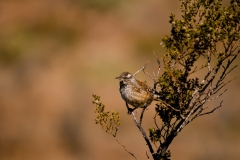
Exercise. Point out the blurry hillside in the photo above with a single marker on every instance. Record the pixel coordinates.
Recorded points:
(55, 54)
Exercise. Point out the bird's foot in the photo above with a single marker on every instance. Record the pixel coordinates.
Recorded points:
(130, 110)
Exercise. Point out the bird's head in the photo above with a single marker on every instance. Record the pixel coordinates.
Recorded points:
(125, 76)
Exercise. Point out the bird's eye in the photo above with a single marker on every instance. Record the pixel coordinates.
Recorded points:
(128, 75)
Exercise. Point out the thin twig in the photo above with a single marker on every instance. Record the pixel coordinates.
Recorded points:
(168, 105)
(208, 61)
(159, 65)
(225, 84)
(141, 117)
(126, 149)
(155, 121)
(197, 69)
(221, 104)
(210, 99)
(147, 155)
(230, 70)
(140, 70)
(149, 75)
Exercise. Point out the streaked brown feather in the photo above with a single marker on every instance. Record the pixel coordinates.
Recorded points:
(133, 91)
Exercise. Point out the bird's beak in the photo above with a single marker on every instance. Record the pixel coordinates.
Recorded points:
(117, 78)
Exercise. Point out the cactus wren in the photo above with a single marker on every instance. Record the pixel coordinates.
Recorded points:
(135, 92)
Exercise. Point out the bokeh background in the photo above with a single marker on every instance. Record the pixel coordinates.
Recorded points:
(55, 54)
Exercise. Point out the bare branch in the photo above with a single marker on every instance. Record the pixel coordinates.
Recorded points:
(147, 155)
(208, 61)
(155, 121)
(230, 70)
(224, 74)
(126, 149)
(140, 70)
(200, 109)
(149, 75)
(221, 104)
(225, 84)
(143, 134)
(212, 78)
(141, 117)
(168, 105)
(196, 70)
(196, 115)
(144, 67)
(216, 96)
(159, 66)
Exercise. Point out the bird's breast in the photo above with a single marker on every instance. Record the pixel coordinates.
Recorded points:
(135, 96)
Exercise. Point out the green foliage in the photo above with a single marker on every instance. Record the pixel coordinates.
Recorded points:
(108, 120)
(203, 27)
(208, 33)
(154, 134)
(166, 114)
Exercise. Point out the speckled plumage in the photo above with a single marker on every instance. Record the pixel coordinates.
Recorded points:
(135, 92)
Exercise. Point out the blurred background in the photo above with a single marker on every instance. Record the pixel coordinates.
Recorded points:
(55, 54)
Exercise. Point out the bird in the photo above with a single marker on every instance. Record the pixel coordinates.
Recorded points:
(134, 92)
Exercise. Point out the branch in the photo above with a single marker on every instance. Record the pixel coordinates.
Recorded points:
(196, 70)
(155, 121)
(141, 117)
(159, 66)
(224, 74)
(149, 75)
(225, 84)
(177, 110)
(205, 100)
(147, 155)
(209, 57)
(144, 135)
(221, 104)
(230, 70)
(155, 75)
(140, 70)
(126, 149)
